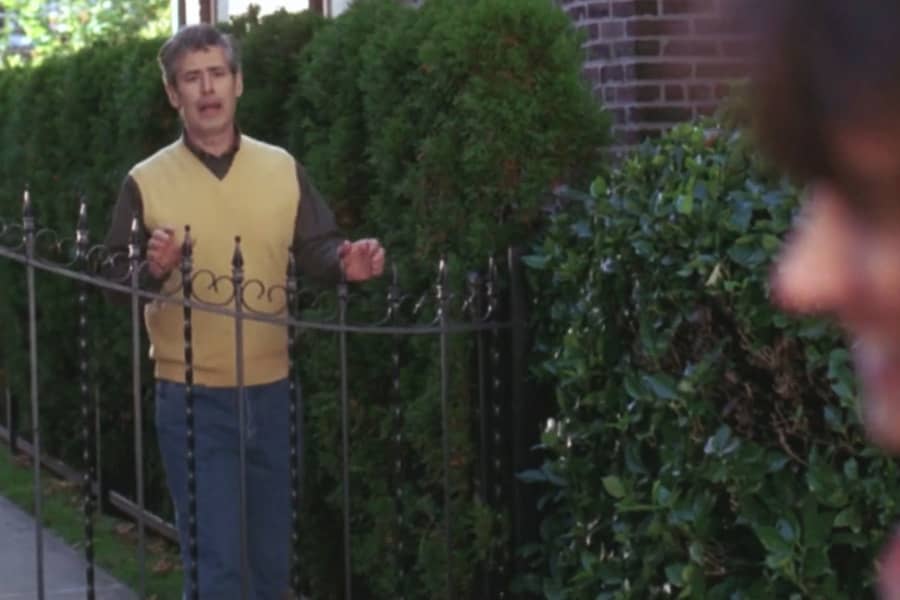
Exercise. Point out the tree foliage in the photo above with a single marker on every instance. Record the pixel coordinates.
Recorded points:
(35, 29)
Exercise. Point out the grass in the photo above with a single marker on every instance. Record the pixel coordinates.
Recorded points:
(115, 541)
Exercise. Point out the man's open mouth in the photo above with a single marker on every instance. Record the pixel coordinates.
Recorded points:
(208, 108)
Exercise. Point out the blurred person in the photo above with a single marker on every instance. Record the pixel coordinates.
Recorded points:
(826, 92)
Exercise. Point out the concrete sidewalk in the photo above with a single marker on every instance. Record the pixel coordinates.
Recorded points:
(64, 577)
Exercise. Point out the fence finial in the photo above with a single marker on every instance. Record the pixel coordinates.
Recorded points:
(81, 230)
(27, 208)
(237, 259)
(134, 246)
(187, 252)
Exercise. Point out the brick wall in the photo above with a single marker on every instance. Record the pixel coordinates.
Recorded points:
(655, 63)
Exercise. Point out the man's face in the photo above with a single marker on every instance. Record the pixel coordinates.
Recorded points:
(843, 260)
(205, 92)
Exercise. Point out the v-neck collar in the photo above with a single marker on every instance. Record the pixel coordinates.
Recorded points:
(217, 165)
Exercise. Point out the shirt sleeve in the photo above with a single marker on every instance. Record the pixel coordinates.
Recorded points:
(128, 206)
(316, 236)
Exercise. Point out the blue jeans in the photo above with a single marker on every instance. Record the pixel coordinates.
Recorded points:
(216, 427)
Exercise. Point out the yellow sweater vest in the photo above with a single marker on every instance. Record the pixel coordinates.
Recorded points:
(258, 200)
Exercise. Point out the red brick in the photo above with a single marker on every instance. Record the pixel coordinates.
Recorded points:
(706, 110)
(612, 30)
(598, 10)
(647, 27)
(671, 70)
(638, 93)
(623, 9)
(681, 7)
(612, 73)
(729, 70)
(737, 48)
(577, 13)
(692, 48)
(618, 115)
(646, 7)
(598, 51)
(592, 74)
(660, 114)
(647, 93)
(624, 49)
(646, 48)
(609, 94)
(717, 26)
(674, 93)
(699, 92)
(723, 90)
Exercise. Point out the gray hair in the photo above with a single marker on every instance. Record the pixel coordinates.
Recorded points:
(191, 39)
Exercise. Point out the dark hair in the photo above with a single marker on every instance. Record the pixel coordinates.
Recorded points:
(820, 64)
(192, 38)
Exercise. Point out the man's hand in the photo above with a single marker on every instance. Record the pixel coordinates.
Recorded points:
(362, 259)
(163, 252)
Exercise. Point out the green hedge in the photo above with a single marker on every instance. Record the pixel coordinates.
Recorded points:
(439, 130)
(705, 446)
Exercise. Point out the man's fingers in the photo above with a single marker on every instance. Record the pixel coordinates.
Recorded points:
(378, 259)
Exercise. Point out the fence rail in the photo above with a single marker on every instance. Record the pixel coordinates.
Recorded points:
(489, 311)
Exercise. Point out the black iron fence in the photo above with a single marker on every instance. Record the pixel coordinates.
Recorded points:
(487, 309)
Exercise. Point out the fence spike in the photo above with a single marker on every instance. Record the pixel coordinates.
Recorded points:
(134, 245)
(237, 259)
(81, 231)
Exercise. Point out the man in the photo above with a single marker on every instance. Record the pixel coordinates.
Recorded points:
(225, 184)
(827, 96)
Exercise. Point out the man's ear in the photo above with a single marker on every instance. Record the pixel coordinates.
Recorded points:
(239, 83)
(172, 94)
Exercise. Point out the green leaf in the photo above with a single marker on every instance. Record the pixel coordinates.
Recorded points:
(675, 573)
(536, 261)
(532, 476)
(685, 204)
(614, 486)
(663, 386)
(849, 518)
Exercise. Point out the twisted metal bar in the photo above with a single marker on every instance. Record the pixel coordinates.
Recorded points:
(343, 299)
(477, 311)
(134, 258)
(442, 297)
(496, 417)
(295, 416)
(186, 267)
(87, 418)
(237, 274)
(28, 235)
(395, 299)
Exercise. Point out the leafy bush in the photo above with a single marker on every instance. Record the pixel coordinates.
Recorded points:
(706, 446)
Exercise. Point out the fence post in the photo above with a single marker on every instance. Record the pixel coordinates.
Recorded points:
(524, 414)
(87, 423)
(29, 235)
(135, 263)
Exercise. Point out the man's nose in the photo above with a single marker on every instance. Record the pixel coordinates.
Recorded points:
(814, 273)
(207, 82)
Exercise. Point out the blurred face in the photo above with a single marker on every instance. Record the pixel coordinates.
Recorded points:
(843, 259)
(205, 92)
